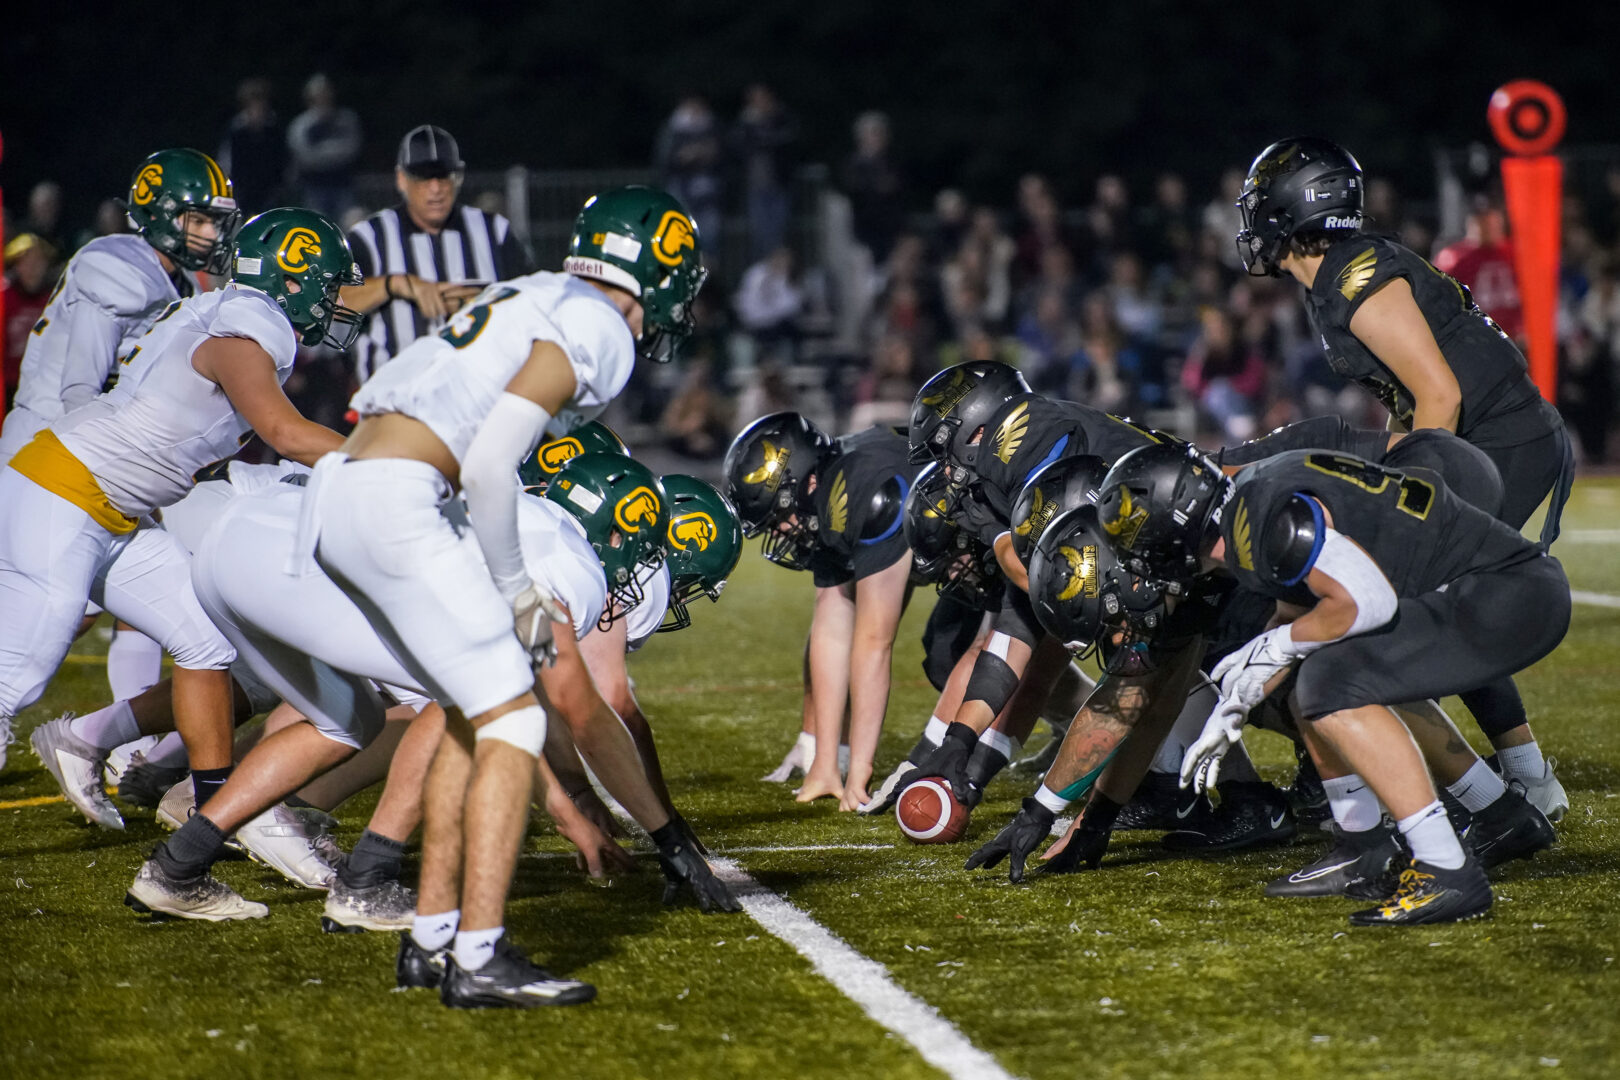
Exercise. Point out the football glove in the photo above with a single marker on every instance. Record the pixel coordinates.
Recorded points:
(684, 867)
(1085, 849)
(1202, 764)
(884, 797)
(1243, 674)
(533, 612)
(1018, 839)
(950, 760)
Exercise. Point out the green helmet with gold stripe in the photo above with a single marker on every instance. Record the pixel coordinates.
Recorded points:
(704, 541)
(172, 184)
(591, 437)
(625, 513)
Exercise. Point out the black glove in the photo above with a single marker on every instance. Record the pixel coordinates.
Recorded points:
(974, 515)
(1019, 839)
(950, 760)
(1089, 842)
(691, 836)
(682, 865)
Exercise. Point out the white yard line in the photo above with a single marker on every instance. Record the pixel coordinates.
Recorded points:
(1596, 599)
(863, 980)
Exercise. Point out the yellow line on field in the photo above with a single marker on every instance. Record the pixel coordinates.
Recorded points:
(38, 800)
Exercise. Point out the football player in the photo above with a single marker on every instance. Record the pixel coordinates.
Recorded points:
(1414, 337)
(76, 501)
(835, 508)
(458, 412)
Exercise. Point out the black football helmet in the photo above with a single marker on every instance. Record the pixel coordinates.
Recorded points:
(1085, 598)
(958, 563)
(1065, 484)
(1297, 185)
(1160, 506)
(768, 469)
(954, 404)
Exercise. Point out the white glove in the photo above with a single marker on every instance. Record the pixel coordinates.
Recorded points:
(1202, 763)
(533, 612)
(1243, 674)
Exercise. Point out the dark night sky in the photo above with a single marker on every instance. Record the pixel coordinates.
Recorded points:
(979, 93)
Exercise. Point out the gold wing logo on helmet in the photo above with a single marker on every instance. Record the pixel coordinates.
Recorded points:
(838, 504)
(1010, 435)
(1082, 571)
(147, 181)
(1025, 527)
(937, 510)
(774, 468)
(674, 237)
(636, 509)
(553, 455)
(296, 248)
(1357, 273)
(1241, 536)
(952, 392)
(696, 528)
(1128, 521)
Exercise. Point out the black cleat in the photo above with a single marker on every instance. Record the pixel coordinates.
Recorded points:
(1306, 795)
(1356, 860)
(509, 981)
(1252, 814)
(144, 784)
(416, 968)
(1509, 828)
(1429, 894)
(1161, 804)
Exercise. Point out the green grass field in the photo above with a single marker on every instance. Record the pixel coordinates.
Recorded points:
(1152, 966)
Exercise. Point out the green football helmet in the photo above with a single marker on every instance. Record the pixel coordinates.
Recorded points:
(591, 437)
(704, 542)
(166, 186)
(625, 512)
(642, 240)
(288, 247)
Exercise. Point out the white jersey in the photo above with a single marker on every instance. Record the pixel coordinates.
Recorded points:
(190, 518)
(109, 296)
(145, 440)
(646, 617)
(451, 381)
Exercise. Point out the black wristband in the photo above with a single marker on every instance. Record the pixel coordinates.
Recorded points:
(669, 834)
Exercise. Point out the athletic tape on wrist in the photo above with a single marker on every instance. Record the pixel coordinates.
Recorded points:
(1051, 799)
(523, 728)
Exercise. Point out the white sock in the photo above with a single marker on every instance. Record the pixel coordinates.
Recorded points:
(935, 731)
(1524, 762)
(106, 728)
(434, 932)
(475, 947)
(134, 663)
(1478, 788)
(1353, 803)
(170, 752)
(1432, 839)
(806, 746)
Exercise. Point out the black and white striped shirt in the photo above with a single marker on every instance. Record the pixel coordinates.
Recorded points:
(473, 246)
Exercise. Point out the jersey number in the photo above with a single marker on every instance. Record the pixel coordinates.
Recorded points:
(467, 325)
(1416, 496)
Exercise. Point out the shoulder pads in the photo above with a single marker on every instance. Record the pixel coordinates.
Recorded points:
(1293, 539)
(883, 514)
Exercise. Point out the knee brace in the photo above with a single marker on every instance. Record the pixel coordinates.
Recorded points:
(523, 728)
(992, 681)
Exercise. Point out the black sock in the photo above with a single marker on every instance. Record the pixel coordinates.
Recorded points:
(205, 782)
(298, 804)
(920, 752)
(191, 850)
(374, 859)
(984, 764)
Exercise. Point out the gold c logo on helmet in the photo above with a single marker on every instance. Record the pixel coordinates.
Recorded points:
(553, 455)
(635, 509)
(147, 181)
(675, 234)
(299, 245)
(770, 473)
(696, 528)
(1082, 571)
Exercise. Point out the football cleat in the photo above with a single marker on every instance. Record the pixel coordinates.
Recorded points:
(1161, 804)
(1252, 814)
(1509, 828)
(76, 767)
(509, 980)
(1545, 793)
(177, 804)
(1356, 860)
(1306, 794)
(202, 897)
(884, 797)
(1430, 894)
(119, 758)
(417, 969)
(387, 905)
(144, 783)
(282, 840)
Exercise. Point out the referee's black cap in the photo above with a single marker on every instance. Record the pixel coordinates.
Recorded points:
(429, 152)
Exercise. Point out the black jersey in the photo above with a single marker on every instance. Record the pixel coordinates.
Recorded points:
(1030, 432)
(1500, 405)
(1420, 534)
(860, 502)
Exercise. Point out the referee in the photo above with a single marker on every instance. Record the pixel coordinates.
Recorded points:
(425, 257)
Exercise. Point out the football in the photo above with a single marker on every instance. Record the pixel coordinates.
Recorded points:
(929, 814)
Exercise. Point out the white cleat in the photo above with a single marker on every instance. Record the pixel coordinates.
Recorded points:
(387, 905)
(120, 758)
(76, 767)
(203, 897)
(282, 840)
(177, 805)
(1546, 793)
